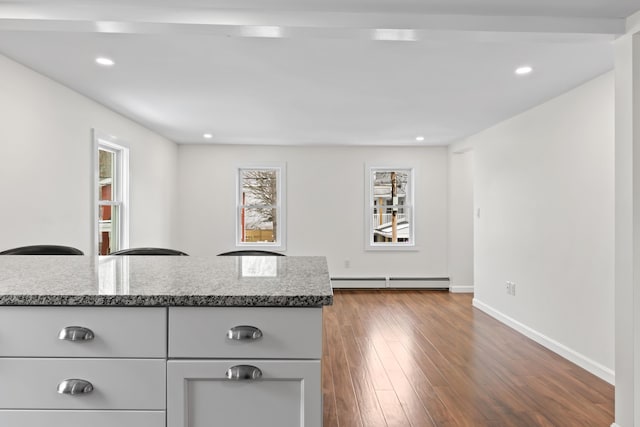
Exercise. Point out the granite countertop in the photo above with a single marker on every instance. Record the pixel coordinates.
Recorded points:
(165, 281)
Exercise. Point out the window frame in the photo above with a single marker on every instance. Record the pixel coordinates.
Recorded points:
(280, 207)
(369, 209)
(120, 191)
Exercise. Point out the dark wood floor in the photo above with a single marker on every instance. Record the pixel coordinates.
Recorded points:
(427, 358)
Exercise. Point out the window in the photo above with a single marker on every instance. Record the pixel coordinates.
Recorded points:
(389, 208)
(111, 201)
(260, 207)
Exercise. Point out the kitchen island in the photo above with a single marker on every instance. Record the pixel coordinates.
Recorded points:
(151, 341)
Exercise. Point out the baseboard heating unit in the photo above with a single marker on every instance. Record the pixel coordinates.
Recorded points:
(390, 283)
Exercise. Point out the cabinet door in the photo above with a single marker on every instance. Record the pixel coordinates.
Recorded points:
(288, 394)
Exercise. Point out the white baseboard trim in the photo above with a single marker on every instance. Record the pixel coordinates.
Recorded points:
(461, 289)
(390, 282)
(418, 282)
(595, 368)
(359, 283)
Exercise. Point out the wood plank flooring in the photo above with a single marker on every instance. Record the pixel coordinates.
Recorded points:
(428, 358)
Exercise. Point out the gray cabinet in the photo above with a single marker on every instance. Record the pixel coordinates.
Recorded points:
(270, 378)
(119, 352)
(84, 418)
(200, 367)
(120, 384)
(288, 394)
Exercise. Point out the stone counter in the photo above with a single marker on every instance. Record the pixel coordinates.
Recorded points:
(245, 281)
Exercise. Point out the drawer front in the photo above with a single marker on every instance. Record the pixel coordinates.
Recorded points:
(290, 333)
(40, 418)
(118, 331)
(288, 394)
(117, 383)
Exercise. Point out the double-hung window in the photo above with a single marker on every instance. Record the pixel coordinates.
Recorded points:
(389, 208)
(111, 201)
(261, 216)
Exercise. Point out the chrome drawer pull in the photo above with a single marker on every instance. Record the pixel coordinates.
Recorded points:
(76, 333)
(244, 373)
(75, 386)
(244, 333)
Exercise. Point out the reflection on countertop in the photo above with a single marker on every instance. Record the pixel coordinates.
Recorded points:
(165, 281)
(259, 266)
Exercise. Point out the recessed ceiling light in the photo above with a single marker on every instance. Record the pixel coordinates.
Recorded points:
(420, 138)
(107, 62)
(525, 69)
(265, 31)
(394, 34)
(207, 136)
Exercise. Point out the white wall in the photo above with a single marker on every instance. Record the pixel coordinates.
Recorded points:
(461, 212)
(544, 184)
(325, 193)
(46, 160)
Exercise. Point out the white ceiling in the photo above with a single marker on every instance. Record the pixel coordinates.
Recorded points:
(184, 68)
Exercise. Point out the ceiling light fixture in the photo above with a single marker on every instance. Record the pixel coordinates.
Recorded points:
(420, 138)
(524, 70)
(261, 31)
(104, 61)
(207, 136)
(394, 34)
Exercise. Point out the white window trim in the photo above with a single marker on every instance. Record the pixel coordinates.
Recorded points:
(103, 140)
(281, 232)
(369, 244)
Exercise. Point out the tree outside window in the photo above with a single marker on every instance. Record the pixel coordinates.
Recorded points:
(260, 213)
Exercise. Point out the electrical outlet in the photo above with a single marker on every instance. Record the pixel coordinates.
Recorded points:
(510, 288)
(347, 263)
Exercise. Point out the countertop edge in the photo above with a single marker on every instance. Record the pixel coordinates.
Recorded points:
(167, 300)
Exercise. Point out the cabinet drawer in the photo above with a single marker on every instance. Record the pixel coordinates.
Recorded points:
(117, 383)
(36, 418)
(288, 394)
(118, 331)
(290, 333)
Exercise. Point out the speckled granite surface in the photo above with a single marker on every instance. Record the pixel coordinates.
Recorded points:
(164, 281)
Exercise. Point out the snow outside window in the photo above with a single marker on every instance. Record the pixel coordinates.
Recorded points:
(389, 208)
(261, 218)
